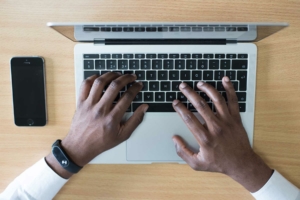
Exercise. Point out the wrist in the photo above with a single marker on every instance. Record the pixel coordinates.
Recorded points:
(74, 152)
(56, 167)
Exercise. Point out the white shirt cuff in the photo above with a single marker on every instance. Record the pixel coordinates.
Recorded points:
(277, 188)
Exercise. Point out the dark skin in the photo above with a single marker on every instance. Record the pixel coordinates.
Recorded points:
(223, 141)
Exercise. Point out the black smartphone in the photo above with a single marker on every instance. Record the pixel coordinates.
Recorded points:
(28, 90)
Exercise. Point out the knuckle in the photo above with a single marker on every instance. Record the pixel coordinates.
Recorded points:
(201, 105)
(187, 118)
(99, 81)
(115, 83)
(87, 82)
(217, 129)
(206, 140)
(129, 94)
(219, 99)
(194, 166)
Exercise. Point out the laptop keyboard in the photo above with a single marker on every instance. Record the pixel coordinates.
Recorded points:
(161, 75)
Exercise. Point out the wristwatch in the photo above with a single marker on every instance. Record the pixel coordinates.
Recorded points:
(63, 159)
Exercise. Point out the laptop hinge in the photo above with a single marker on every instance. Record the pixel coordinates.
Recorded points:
(163, 41)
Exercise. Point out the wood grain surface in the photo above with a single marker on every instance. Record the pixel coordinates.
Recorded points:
(23, 31)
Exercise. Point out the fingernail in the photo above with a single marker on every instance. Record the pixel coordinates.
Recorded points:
(200, 83)
(146, 108)
(226, 79)
(175, 102)
(183, 85)
(174, 141)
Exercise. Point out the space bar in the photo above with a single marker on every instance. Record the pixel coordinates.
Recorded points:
(156, 107)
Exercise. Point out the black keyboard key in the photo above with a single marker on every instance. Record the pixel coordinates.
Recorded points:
(138, 97)
(105, 29)
(128, 56)
(153, 86)
(88, 64)
(225, 64)
(235, 85)
(229, 29)
(185, 75)
(219, 75)
(242, 29)
(151, 56)
(145, 86)
(111, 64)
(220, 86)
(191, 107)
(181, 97)
(145, 64)
(116, 56)
(242, 55)
(151, 29)
(185, 29)
(210, 105)
(189, 83)
(242, 107)
(134, 64)
(156, 107)
(128, 72)
(196, 29)
(179, 64)
(231, 75)
(148, 96)
(170, 96)
(212, 83)
(224, 95)
(123, 64)
(185, 55)
(117, 97)
(208, 75)
(175, 85)
(239, 64)
(242, 77)
(191, 64)
(159, 96)
(162, 75)
(127, 29)
(99, 64)
(196, 55)
(139, 55)
(204, 96)
(162, 29)
(174, 75)
(106, 56)
(173, 55)
(90, 73)
(202, 64)
(241, 96)
(196, 75)
(213, 64)
(150, 75)
(210, 55)
(140, 75)
(173, 29)
(162, 55)
(116, 29)
(168, 64)
(103, 72)
(156, 64)
(87, 56)
(219, 55)
(139, 29)
(230, 55)
(165, 86)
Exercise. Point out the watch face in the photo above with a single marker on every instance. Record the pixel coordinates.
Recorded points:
(60, 156)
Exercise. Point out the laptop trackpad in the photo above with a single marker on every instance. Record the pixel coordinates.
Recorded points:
(152, 140)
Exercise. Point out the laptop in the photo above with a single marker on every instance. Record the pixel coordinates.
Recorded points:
(163, 55)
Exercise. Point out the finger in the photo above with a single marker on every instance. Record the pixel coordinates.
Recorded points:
(115, 87)
(198, 102)
(193, 124)
(132, 123)
(216, 97)
(126, 99)
(186, 154)
(86, 87)
(232, 99)
(100, 83)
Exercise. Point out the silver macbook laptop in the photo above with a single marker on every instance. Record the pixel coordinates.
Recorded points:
(163, 55)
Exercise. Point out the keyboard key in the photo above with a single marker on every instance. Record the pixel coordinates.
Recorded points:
(210, 105)
(168, 64)
(170, 96)
(241, 96)
(173, 29)
(174, 75)
(162, 55)
(116, 29)
(159, 96)
(230, 29)
(175, 85)
(128, 72)
(185, 55)
(220, 86)
(150, 55)
(145, 64)
(151, 29)
(111, 64)
(210, 55)
(231, 75)
(117, 97)
(181, 97)
(196, 29)
(185, 75)
(204, 96)
(196, 55)
(219, 75)
(165, 86)
(117, 56)
(242, 77)
(219, 55)
(213, 64)
(242, 55)
(138, 97)
(173, 55)
(190, 83)
(191, 64)
(148, 96)
(150, 75)
(230, 55)
(179, 64)
(145, 86)
(242, 107)
(90, 56)
(105, 29)
(99, 64)
(212, 83)
(242, 29)
(235, 85)
(139, 55)
(128, 55)
(88, 64)
(123, 64)
(103, 72)
(191, 108)
(196, 75)
(106, 56)
(139, 29)
(202, 64)
(225, 64)
(140, 75)
(127, 29)
(134, 64)
(156, 64)
(185, 29)
(239, 64)
(153, 86)
(224, 95)
(156, 107)
(162, 75)
(90, 73)
(208, 75)
(162, 29)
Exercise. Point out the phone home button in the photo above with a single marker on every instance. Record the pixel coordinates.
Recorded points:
(30, 122)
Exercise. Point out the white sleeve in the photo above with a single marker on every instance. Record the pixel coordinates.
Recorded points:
(37, 182)
(277, 188)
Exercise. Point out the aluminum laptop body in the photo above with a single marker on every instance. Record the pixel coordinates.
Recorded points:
(191, 43)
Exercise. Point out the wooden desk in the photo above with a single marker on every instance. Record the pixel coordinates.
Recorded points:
(23, 31)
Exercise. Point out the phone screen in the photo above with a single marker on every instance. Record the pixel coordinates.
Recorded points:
(28, 84)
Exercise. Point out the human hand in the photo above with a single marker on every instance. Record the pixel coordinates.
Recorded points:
(224, 145)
